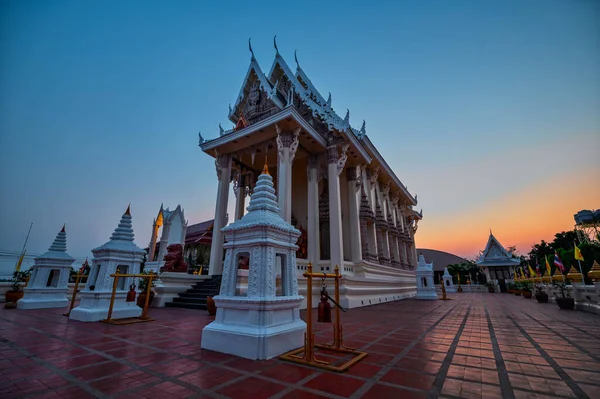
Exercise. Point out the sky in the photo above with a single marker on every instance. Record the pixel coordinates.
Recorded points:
(489, 111)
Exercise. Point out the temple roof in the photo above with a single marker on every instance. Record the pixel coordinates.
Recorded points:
(199, 233)
(281, 87)
(495, 254)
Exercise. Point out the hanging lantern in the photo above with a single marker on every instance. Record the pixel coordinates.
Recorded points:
(131, 293)
(324, 309)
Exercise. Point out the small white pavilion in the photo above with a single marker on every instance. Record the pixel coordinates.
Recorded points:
(264, 321)
(48, 285)
(425, 286)
(120, 253)
(497, 263)
(447, 281)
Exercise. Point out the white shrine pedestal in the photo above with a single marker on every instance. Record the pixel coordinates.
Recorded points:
(120, 253)
(49, 281)
(425, 286)
(258, 324)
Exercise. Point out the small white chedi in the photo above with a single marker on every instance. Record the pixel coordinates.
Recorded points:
(264, 321)
(425, 286)
(447, 278)
(48, 284)
(120, 253)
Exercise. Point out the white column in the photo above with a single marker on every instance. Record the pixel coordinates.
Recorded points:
(355, 237)
(314, 250)
(240, 196)
(223, 165)
(334, 169)
(287, 144)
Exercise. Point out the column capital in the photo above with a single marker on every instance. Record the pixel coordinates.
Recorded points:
(222, 161)
(386, 189)
(332, 157)
(373, 174)
(287, 140)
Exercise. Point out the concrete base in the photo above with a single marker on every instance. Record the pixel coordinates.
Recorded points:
(154, 266)
(427, 294)
(255, 329)
(42, 303)
(43, 298)
(94, 307)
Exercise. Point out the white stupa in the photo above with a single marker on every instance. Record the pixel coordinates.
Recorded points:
(447, 280)
(258, 324)
(48, 284)
(120, 253)
(425, 286)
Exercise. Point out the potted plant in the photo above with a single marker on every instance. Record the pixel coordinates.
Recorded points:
(490, 286)
(562, 296)
(526, 289)
(143, 286)
(510, 287)
(16, 293)
(540, 293)
(517, 288)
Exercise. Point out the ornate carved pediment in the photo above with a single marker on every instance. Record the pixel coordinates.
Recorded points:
(258, 106)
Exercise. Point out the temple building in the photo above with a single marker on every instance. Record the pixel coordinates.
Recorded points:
(331, 184)
(169, 227)
(497, 263)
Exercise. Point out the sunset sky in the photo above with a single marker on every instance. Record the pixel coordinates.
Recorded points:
(489, 111)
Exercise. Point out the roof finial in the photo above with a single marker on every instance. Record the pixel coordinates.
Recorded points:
(490, 231)
(63, 229)
(329, 100)
(128, 211)
(250, 47)
(200, 139)
(296, 58)
(275, 44)
(266, 168)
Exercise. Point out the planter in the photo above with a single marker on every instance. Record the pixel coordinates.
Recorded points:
(565, 303)
(542, 298)
(210, 306)
(527, 294)
(490, 289)
(13, 296)
(517, 292)
(141, 300)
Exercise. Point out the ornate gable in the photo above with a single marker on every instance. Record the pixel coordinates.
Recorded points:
(258, 98)
(494, 250)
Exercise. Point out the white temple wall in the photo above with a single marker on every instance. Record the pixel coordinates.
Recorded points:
(175, 230)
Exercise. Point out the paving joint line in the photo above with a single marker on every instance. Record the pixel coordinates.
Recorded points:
(436, 390)
(363, 389)
(557, 369)
(505, 386)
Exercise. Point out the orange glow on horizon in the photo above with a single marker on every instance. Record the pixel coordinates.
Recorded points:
(520, 218)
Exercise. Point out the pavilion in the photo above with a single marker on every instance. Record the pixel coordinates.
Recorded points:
(331, 183)
(497, 263)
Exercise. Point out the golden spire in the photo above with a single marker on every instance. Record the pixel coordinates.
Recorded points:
(128, 211)
(266, 168)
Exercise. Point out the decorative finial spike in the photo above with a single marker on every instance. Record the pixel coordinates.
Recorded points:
(63, 229)
(128, 211)
(250, 47)
(275, 44)
(296, 58)
(266, 168)
(329, 100)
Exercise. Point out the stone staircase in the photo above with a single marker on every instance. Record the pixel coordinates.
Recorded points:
(195, 297)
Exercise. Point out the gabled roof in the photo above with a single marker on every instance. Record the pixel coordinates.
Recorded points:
(321, 109)
(199, 233)
(495, 254)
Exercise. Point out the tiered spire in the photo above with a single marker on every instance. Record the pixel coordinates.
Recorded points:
(124, 232)
(263, 198)
(60, 242)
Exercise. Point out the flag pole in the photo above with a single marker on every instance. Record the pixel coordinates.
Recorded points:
(20, 260)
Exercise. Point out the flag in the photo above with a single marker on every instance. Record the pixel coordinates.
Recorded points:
(537, 268)
(558, 263)
(531, 272)
(548, 269)
(18, 267)
(578, 255)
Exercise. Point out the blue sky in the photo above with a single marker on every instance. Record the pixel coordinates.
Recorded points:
(101, 103)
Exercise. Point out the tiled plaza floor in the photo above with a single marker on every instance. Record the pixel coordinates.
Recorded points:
(474, 346)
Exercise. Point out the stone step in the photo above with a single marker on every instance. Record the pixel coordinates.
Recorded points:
(191, 295)
(201, 291)
(190, 300)
(197, 306)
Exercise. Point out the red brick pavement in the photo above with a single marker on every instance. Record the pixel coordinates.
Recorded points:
(474, 346)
